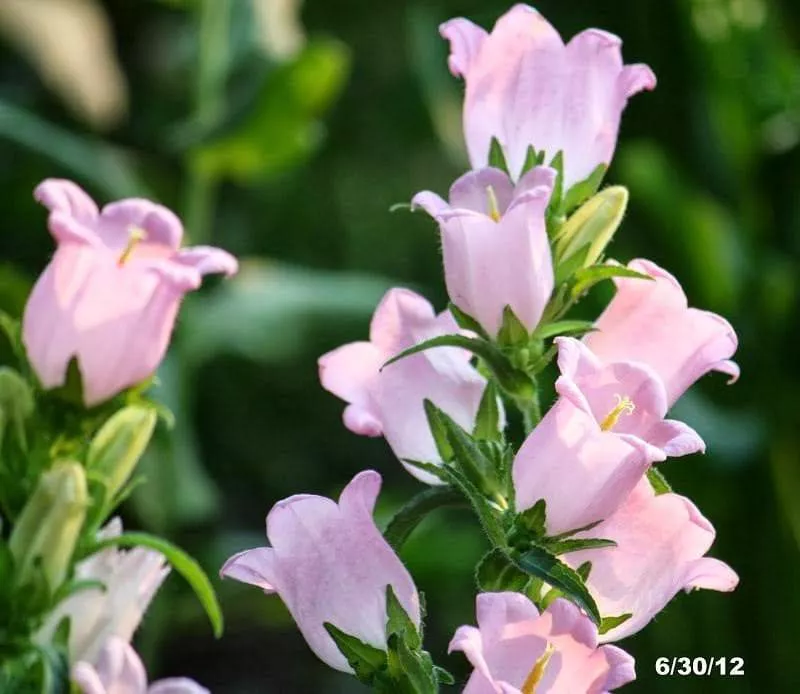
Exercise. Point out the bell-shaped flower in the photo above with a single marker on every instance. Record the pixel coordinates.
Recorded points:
(517, 650)
(525, 88)
(595, 444)
(661, 543)
(495, 245)
(117, 669)
(330, 564)
(390, 401)
(131, 579)
(111, 293)
(651, 322)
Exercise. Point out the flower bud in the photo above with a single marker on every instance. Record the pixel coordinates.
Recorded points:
(116, 448)
(591, 228)
(16, 403)
(48, 528)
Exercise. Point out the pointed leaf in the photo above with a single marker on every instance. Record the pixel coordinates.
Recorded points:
(582, 191)
(496, 573)
(467, 322)
(405, 521)
(657, 481)
(543, 564)
(609, 623)
(366, 661)
(585, 279)
(398, 622)
(487, 420)
(564, 327)
(512, 333)
(497, 157)
(576, 545)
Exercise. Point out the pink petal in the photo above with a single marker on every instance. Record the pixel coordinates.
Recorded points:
(465, 40)
(161, 225)
(254, 566)
(675, 438)
(177, 685)
(208, 260)
(471, 191)
(61, 195)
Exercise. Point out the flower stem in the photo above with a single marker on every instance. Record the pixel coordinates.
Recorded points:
(405, 521)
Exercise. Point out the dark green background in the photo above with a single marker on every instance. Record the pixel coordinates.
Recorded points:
(713, 168)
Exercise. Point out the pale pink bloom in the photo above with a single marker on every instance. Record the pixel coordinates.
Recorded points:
(512, 638)
(329, 563)
(110, 295)
(661, 543)
(525, 87)
(651, 322)
(119, 670)
(595, 444)
(389, 402)
(131, 578)
(495, 245)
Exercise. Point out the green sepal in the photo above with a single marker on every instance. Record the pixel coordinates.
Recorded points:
(512, 331)
(497, 157)
(16, 405)
(438, 430)
(584, 570)
(572, 328)
(657, 481)
(467, 322)
(183, 564)
(583, 190)
(556, 196)
(609, 623)
(496, 572)
(368, 662)
(532, 160)
(488, 417)
(514, 381)
(585, 279)
(541, 563)
(529, 524)
(398, 622)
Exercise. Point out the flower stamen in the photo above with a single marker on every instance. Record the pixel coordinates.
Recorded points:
(135, 236)
(624, 406)
(494, 207)
(535, 676)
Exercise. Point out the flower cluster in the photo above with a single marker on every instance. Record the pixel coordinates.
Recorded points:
(588, 541)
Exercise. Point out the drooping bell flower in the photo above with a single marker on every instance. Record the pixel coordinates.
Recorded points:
(517, 650)
(111, 293)
(651, 322)
(661, 545)
(131, 578)
(390, 401)
(495, 245)
(595, 444)
(526, 88)
(330, 564)
(117, 669)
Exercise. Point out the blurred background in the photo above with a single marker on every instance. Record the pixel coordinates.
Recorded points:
(284, 131)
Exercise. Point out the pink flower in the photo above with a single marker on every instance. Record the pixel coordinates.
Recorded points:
(516, 650)
(526, 88)
(651, 322)
(390, 402)
(661, 543)
(119, 670)
(595, 444)
(111, 293)
(330, 563)
(495, 245)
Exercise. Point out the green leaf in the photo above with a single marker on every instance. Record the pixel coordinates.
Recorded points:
(443, 676)
(367, 661)
(512, 332)
(541, 563)
(576, 545)
(532, 160)
(609, 623)
(497, 158)
(584, 570)
(657, 481)
(487, 420)
(558, 189)
(185, 565)
(585, 279)
(467, 322)
(574, 328)
(398, 622)
(514, 381)
(467, 455)
(532, 520)
(496, 572)
(416, 666)
(582, 191)
(406, 520)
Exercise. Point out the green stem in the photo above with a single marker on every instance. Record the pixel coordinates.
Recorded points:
(212, 68)
(531, 410)
(405, 521)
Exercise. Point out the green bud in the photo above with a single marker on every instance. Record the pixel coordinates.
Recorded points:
(116, 448)
(585, 235)
(50, 524)
(16, 403)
